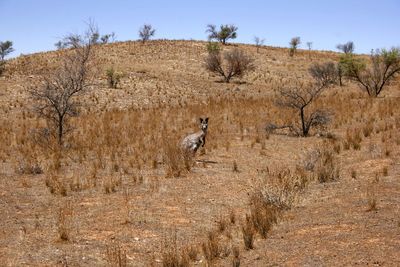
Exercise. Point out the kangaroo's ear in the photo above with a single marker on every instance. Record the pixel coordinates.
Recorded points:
(201, 120)
(206, 120)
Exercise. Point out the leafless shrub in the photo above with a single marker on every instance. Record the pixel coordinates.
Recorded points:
(234, 63)
(301, 95)
(58, 98)
(324, 72)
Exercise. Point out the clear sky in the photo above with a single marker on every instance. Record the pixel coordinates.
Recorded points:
(35, 25)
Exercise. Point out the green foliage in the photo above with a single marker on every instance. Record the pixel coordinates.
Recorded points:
(5, 49)
(113, 77)
(384, 66)
(225, 32)
(213, 47)
(351, 65)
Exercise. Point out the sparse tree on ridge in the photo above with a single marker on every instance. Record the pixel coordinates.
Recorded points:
(107, 38)
(347, 49)
(58, 98)
(294, 43)
(146, 32)
(384, 67)
(222, 35)
(309, 45)
(259, 42)
(5, 49)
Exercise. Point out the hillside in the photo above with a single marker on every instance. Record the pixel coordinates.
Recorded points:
(118, 192)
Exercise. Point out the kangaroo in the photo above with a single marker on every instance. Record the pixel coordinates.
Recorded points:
(192, 142)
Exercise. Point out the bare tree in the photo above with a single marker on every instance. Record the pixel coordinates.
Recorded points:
(294, 43)
(300, 95)
(146, 32)
(347, 49)
(309, 45)
(225, 32)
(5, 49)
(58, 97)
(259, 42)
(234, 63)
(384, 67)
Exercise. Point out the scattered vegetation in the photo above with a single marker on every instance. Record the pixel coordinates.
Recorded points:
(258, 42)
(233, 63)
(113, 77)
(294, 43)
(5, 49)
(57, 98)
(222, 35)
(302, 94)
(146, 32)
(384, 67)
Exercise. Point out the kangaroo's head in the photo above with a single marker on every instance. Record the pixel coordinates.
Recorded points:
(203, 124)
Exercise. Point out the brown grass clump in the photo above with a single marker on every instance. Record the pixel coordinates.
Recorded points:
(353, 139)
(55, 185)
(110, 184)
(211, 248)
(177, 161)
(280, 189)
(171, 257)
(116, 255)
(65, 221)
(263, 215)
(248, 233)
(327, 168)
(372, 204)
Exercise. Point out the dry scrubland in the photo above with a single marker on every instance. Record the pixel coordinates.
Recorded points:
(118, 193)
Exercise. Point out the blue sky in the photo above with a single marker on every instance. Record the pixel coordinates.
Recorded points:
(35, 25)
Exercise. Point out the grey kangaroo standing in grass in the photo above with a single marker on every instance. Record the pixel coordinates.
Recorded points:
(192, 142)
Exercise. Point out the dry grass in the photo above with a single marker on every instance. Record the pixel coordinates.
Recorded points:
(116, 255)
(211, 247)
(248, 233)
(65, 222)
(126, 143)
